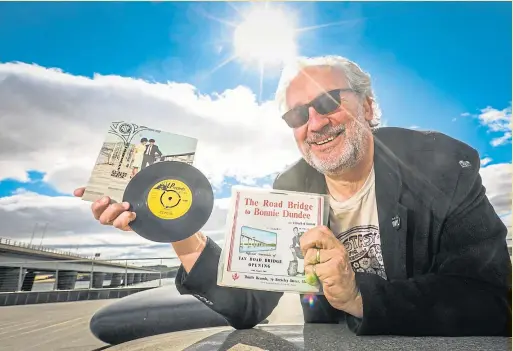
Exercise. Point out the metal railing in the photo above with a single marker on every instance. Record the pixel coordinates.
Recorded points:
(12, 242)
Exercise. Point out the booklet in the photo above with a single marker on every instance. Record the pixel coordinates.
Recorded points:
(129, 148)
(261, 249)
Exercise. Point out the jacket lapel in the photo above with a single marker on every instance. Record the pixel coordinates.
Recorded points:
(393, 216)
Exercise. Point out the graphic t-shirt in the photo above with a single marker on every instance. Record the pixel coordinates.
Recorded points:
(355, 223)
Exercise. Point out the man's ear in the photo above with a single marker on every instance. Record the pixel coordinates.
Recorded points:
(367, 107)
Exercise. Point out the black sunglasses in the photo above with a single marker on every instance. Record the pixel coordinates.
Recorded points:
(324, 104)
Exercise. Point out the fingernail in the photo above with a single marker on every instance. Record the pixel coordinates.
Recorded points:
(126, 205)
(133, 216)
(104, 200)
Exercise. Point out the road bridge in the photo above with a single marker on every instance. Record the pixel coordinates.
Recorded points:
(21, 262)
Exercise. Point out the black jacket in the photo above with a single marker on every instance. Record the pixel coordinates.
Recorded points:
(446, 260)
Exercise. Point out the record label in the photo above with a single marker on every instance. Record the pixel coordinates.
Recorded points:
(169, 199)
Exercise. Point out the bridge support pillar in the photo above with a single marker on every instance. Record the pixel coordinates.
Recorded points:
(144, 277)
(28, 281)
(9, 279)
(130, 279)
(98, 278)
(137, 278)
(66, 280)
(115, 281)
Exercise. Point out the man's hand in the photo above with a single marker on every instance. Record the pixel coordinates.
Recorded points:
(117, 215)
(327, 258)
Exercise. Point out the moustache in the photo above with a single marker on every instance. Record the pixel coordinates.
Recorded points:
(326, 132)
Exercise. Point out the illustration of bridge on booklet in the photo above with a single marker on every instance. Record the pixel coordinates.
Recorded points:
(254, 239)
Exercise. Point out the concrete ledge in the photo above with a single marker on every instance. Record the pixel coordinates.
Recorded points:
(36, 297)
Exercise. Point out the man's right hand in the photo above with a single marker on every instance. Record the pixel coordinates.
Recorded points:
(119, 216)
(107, 213)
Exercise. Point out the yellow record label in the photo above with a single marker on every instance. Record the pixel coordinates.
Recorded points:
(169, 199)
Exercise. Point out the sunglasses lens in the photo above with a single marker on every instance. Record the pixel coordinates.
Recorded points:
(327, 103)
(297, 117)
(324, 104)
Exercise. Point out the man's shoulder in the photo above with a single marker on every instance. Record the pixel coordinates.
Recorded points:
(431, 155)
(411, 144)
(293, 177)
(408, 141)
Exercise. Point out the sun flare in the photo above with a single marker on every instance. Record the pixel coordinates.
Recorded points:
(266, 36)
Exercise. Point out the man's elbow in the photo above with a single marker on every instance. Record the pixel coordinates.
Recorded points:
(257, 311)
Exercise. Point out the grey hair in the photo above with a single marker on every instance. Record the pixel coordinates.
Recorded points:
(357, 79)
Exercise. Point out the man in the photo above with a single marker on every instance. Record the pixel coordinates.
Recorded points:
(296, 266)
(150, 154)
(413, 246)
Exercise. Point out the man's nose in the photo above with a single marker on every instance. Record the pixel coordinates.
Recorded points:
(316, 121)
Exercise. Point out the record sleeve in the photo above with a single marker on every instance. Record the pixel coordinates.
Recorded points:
(129, 148)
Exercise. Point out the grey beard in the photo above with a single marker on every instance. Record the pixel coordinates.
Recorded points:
(350, 156)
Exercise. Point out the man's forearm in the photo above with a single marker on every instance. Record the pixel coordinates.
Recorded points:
(242, 308)
(189, 250)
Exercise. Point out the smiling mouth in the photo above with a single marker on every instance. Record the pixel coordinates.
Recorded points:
(327, 140)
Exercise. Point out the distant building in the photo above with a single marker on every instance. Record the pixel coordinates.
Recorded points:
(111, 153)
(187, 157)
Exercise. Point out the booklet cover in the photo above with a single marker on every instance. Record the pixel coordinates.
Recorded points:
(129, 148)
(261, 248)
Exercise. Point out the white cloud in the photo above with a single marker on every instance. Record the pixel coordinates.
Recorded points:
(496, 121)
(55, 122)
(497, 179)
(506, 138)
(70, 224)
(485, 161)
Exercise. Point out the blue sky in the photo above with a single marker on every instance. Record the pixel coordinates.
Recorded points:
(430, 62)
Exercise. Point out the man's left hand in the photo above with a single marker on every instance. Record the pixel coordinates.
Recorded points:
(326, 257)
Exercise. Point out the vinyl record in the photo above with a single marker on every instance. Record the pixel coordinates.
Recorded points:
(172, 201)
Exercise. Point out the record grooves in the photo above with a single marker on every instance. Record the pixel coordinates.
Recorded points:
(172, 201)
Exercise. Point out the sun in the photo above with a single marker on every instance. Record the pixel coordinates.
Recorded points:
(266, 36)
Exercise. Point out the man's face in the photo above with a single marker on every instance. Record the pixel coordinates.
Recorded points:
(348, 125)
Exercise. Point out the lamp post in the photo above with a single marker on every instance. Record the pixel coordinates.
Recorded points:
(33, 233)
(91, 278)
(43, 236)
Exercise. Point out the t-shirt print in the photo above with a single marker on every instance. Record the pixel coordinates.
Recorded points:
(363, 246)
(355, 223)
